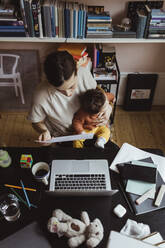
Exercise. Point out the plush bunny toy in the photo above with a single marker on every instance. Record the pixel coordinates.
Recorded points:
(76, 230)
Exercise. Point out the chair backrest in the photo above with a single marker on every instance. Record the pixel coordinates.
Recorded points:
(8, 63)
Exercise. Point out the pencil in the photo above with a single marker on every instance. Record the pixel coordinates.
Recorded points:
(18, 187)
(126, 199)
(19, 197)
(26, 196)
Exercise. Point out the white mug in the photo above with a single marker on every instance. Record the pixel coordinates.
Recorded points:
(41, 171)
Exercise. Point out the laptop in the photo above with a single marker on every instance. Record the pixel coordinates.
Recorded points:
(31, 236)
(80, 178)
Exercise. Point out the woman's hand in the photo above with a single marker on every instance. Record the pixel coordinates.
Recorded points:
(104, 115)
(44, 136)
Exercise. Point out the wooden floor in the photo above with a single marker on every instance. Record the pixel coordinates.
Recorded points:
(141, 129)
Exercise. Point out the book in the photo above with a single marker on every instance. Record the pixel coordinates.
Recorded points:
(133, 6)
(22, 10)
(34, 8)
(146, 30)
(74, 49)
(46, 19)
(95, 9)
(67, 20)
(11, 23)
(124, 34)
(40, 21)
(156, 36)
(29, 17)
(15, 33)
(56, 18)
(129, 152)
(53, 25)
(139, 187)
(141, 23)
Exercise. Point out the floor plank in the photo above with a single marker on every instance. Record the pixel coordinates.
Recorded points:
(143, 129)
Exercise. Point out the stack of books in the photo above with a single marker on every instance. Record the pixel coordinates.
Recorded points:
(157, 24)
(78, 51)
(9, 25)
(54, 18)
(99, 25)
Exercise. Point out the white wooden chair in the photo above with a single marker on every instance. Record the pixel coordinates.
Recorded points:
(9, 76)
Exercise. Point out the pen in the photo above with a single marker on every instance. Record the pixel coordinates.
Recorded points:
(18, 187)
(126, 198)
(26, 196)
(19, 197)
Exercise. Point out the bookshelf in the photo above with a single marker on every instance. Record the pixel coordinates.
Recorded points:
(148, 54)
(118, 10)
(70, 40)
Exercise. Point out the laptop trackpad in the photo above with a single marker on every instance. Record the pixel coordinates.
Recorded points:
(80, 166)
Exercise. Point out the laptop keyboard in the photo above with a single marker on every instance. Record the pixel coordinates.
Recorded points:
(85, 182)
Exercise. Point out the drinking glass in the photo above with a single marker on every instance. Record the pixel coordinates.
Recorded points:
(9, 207)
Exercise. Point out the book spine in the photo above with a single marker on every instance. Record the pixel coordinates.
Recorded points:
(34, 7)
(74, 23)
(141, 26)
(56, 18)
(67, 22)
(22, 9)
(95, 57)
(84, 24)
(12, 30)
(47, 21)
(11, 23)
(40, 21)
(99, 17)
(147, 27)
(29, 18)
(12, 34)
(53, 25)
(71, 23)
(81, 23)
(12, 27)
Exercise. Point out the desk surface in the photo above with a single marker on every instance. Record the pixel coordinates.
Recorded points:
(101, 207)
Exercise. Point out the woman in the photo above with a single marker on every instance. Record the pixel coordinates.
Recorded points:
(57, 99)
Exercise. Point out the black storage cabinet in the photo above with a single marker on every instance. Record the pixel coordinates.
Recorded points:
(139, 92)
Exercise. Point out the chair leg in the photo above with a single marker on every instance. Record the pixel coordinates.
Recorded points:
(21, 88)
(15, 86)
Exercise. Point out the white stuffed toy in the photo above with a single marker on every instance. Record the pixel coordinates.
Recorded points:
(76, 230)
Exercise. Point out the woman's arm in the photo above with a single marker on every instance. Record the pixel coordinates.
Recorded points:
(41, 128)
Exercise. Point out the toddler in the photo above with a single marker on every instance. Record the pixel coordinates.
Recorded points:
(86, 119)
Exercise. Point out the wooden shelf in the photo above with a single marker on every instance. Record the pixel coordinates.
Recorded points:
(71, 40)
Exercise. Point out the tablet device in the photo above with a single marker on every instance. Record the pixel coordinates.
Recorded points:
(31, 236)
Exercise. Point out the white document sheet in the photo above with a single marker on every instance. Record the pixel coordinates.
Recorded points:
(68, 138)
(118, 240)
(128, 153)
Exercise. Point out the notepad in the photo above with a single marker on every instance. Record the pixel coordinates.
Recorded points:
(140, 187)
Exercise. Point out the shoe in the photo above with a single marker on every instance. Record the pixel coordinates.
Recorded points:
(100, 142)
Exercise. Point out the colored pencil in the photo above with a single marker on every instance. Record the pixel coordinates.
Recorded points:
(26, 196)
(18, 187)
(19, 197)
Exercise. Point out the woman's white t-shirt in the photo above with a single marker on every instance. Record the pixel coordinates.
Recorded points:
(56, 109)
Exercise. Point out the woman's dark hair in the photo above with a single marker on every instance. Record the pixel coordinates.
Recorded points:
(92, 101)
(59, 66)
